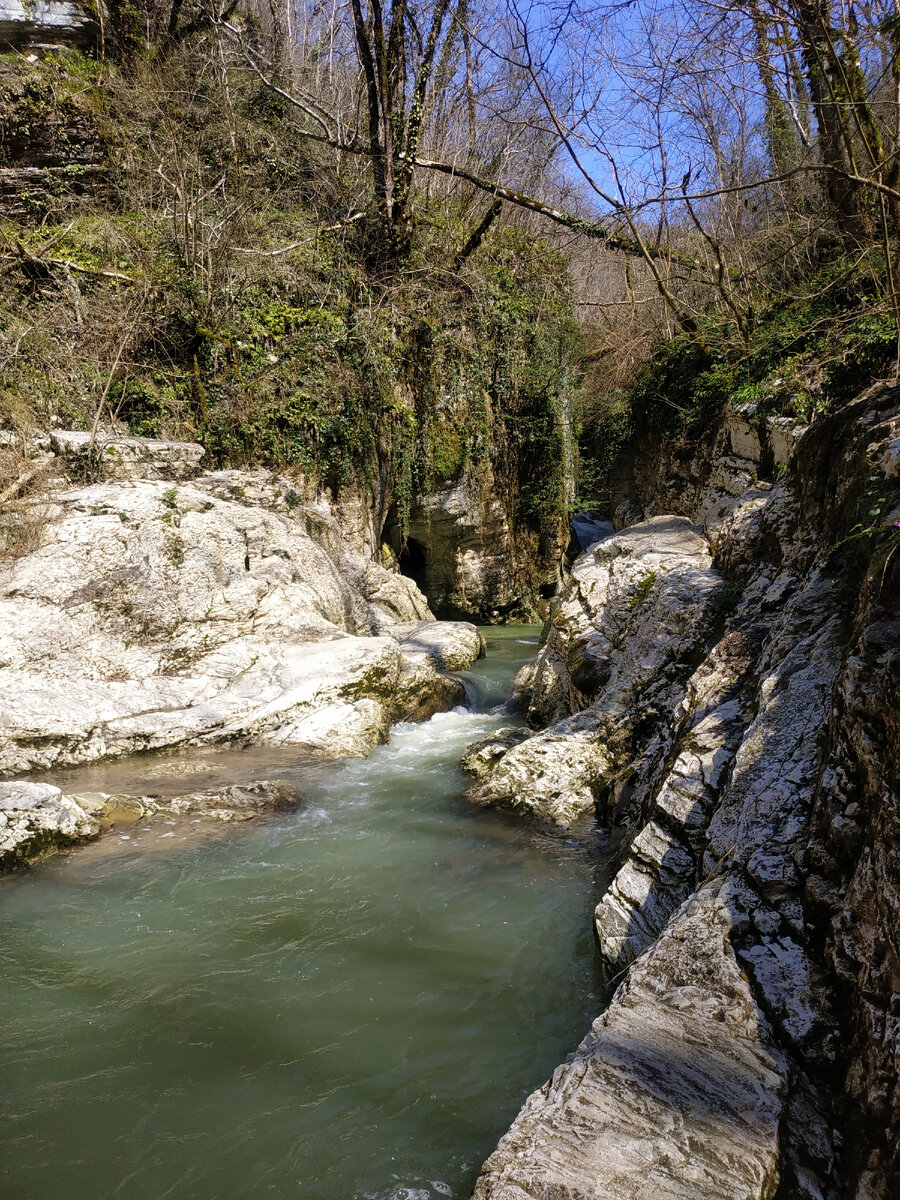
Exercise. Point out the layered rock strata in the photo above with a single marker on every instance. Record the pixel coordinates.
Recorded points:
(44, 24)
(677, 1091)
(759, 793)
(621, 640)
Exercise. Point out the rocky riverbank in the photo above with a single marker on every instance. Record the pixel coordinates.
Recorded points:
(721, 677)
(37, 819)
(161, 606)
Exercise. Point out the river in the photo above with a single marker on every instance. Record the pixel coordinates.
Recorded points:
(345, 1002)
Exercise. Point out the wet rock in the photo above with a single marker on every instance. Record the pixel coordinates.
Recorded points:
(482, 756)
(430, 650)
(37, 819)
(587, 530)
(615, 660)
(241, 802)
(676, 1092)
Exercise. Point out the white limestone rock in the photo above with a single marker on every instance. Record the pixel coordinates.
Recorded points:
(36, 819)
(155, 615)
(554, 775)
(660, 866)
(447, 645)
(636, 611)
(783, 434)
(675, 1094)
(121, 457)
(761, 824)
(656, 878)
(635, 606)
(42, 23)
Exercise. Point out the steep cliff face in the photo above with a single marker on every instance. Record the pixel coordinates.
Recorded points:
(51, 148)
(755, 770)
(43, 24)
(471, 559)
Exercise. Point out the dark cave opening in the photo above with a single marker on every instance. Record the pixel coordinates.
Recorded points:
(412, 562)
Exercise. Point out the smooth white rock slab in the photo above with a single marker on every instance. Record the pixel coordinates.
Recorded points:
(675, 1094)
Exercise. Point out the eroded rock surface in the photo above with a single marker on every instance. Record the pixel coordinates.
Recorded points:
(482, 756)
(38, 819)
(120, 457)
(676, 1092)
(767, 787)
(637, 611)
(240, 802)
(155, 614)
(468, 555)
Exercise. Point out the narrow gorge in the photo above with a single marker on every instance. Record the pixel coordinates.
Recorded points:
(449, 637)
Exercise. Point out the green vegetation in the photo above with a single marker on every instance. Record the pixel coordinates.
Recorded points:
(812, 349)
(210, 290)
(194, 266)
(816, 343)
(642, 589)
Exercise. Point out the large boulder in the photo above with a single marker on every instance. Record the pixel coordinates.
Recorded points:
(675, 1094)
(156, 614)
(37, 819)
(120, 457)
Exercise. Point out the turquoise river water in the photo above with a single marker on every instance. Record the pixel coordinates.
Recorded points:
(346, 1002)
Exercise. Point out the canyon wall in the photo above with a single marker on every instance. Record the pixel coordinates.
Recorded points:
(719, 684)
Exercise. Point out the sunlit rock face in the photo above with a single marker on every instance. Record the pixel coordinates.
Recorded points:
(639, 608)
(36, 819)
(156, 613)
(676, 1092)
(42, 23)
(757, 795)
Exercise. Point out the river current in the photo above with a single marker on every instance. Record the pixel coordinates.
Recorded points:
(345, 1002)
